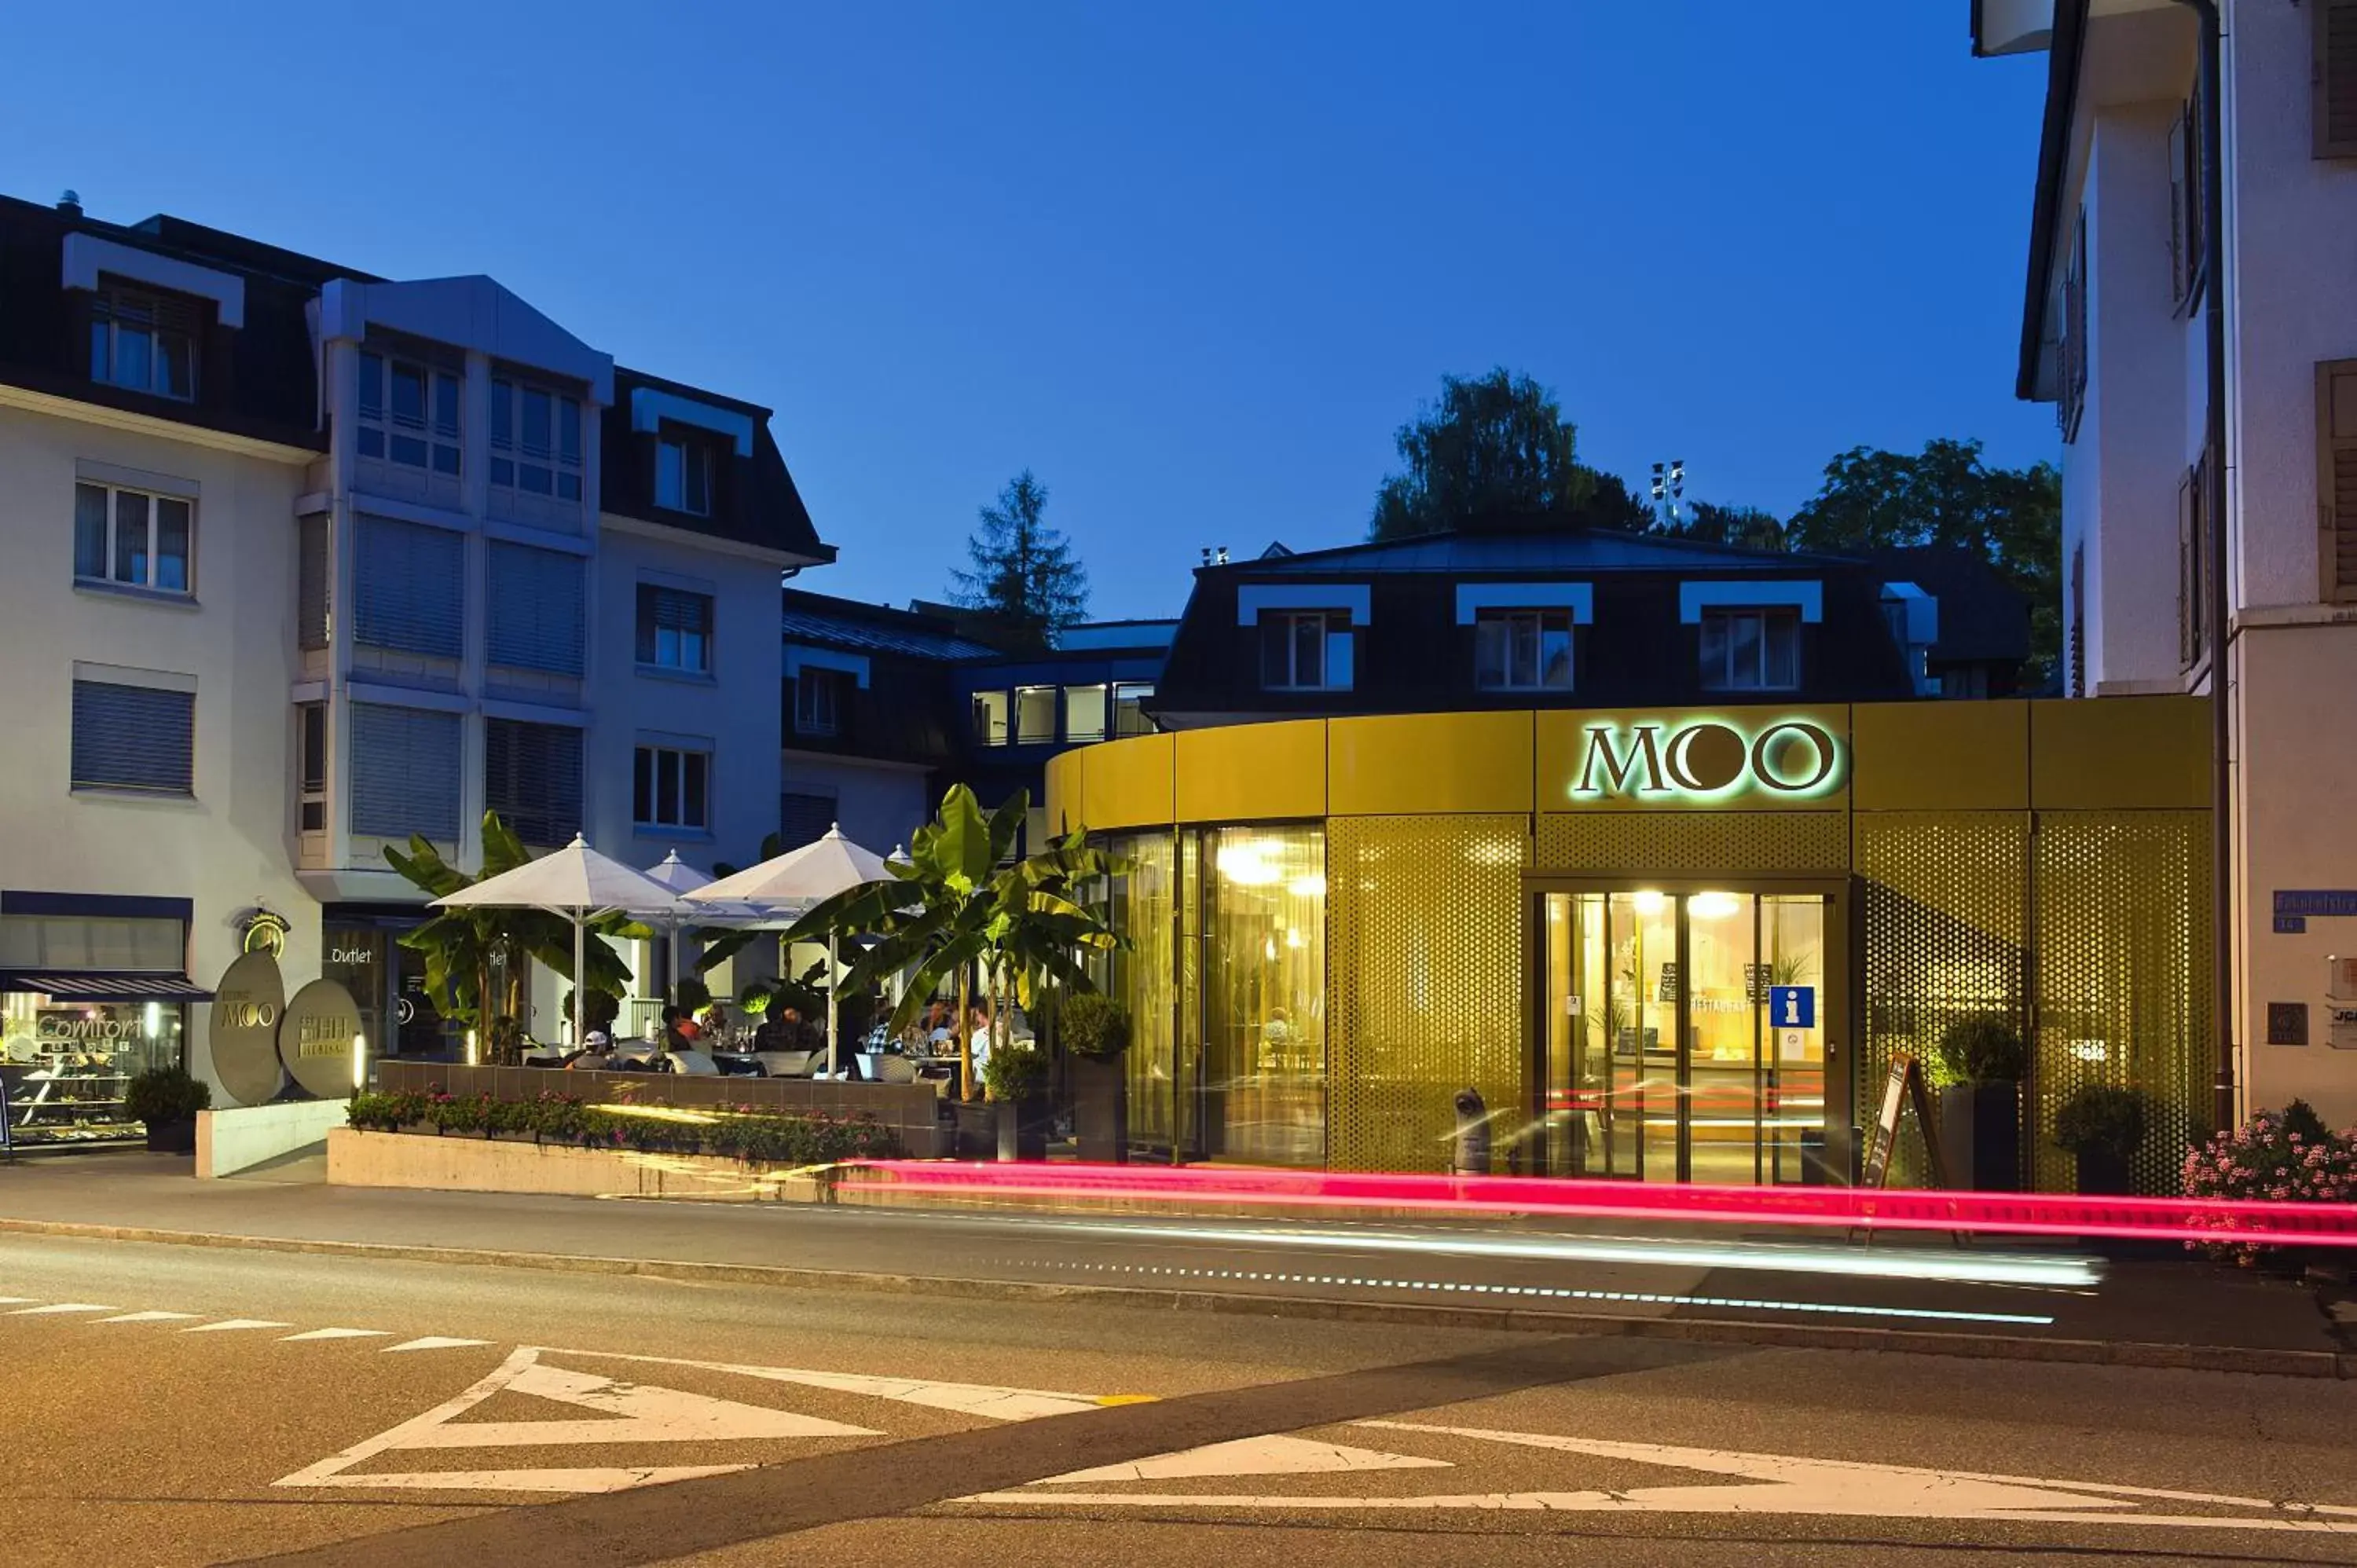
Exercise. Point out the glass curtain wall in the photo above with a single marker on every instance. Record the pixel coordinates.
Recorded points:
(1142, 906)
(1263, 1092)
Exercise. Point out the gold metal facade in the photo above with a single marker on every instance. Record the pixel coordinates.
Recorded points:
(1424, 979)
(1695, 843)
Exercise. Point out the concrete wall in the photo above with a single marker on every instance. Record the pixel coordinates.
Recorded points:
(876, 804)
(235, 1139)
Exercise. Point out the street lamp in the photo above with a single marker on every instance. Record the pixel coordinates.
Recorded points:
(1669, 490)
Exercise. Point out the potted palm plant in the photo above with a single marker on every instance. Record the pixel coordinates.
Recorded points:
(2102, 1125)
(1094, 1031)
(1983, 1060)
(168, 1099)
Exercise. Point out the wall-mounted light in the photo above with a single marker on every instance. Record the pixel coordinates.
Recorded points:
(360, 1063)
(474, 1050)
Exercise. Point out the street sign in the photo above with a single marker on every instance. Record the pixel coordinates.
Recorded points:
(2315, 901)
(1793, 1006)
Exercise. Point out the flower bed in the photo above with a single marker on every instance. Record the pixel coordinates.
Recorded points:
(755, 1136)
(2279, 1157)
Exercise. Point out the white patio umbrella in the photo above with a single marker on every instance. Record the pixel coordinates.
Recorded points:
(580, 884)
(796, 880)
(683, 878)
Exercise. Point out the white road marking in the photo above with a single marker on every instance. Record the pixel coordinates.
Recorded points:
(60, 1307)
(232, 1325)
(432, 1342)
(1273, 1456)
(629, 1413)
(151, 1317)
(970, 1399)
(1778, 1484)
(336, 1334)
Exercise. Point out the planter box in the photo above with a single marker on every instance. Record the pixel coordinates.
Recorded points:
(1023, 1127)
(2102, 1174)
(455, 1164)
(1100, 1109)
(172, 1137)
(1980, 1136)
(973, 1129)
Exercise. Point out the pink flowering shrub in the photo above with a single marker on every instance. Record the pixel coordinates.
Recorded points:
(2277, 1157)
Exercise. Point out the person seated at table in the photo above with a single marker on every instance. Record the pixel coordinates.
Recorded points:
(596, 1055)
(939, 1028)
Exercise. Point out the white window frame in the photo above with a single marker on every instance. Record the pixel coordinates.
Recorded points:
(1133, 693)
(1055, 716)
(1079, 734)
(513, 456)
(1542, 622)
(654, 762)
(980, 718)
(813, 682)
(164, 314)
(434, 436)
(154, 501)
(680, 641)
(310, 789)
(694, 457)
(1334, 638)
(1771, 618)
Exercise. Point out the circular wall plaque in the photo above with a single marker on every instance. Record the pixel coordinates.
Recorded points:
(248, 1004)
(315, 1038)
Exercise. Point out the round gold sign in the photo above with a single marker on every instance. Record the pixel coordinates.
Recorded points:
(315, 1038)
(248, 1004)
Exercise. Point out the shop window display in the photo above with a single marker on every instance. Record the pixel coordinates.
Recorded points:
(66, 1064)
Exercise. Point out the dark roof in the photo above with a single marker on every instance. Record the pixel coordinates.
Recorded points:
(852, 623)
(1982, 616)
(758, 502)
(1559, 550)
(2063, 51)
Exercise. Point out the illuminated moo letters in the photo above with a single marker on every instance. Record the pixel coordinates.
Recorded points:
(1706, 759)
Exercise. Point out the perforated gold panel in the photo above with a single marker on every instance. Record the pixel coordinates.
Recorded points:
(1424, 921)
(1945, 896)
(1701, 843)
(2123, 992)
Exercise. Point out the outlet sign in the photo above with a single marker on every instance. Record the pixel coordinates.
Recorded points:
(1707, 759)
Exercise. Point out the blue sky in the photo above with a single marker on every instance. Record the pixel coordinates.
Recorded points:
(1191, 265)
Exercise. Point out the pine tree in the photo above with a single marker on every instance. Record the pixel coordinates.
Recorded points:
(1024, 578)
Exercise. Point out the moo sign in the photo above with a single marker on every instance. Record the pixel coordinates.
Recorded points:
(1706, 759)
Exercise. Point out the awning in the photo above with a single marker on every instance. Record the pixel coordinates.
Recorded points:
(105, 985)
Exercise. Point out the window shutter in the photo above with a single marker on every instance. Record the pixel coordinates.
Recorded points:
(312, 591)
(532, 778)
(2336, 493)
(2333, 72)
(804, 818)
(2181, 207)
(536, 608)
(2078, 678)
(2189, 566)
(134, 737)
(408, 582)
(404, 772)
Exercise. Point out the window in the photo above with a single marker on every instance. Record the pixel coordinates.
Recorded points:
(1035, 716)
(133, 538)
(144, 341)
(2077, 674)
(535, 439)
(674, 629)
(2192, 562)
(404, 772)
(1521, 650)
(990, 718)
(821, 697)
(2072, 350)
(311, 765)
(803, 819)
(537, 609)
(409, 413)
(532, 778)
(314, 592)
(2333, 74)
(1262, 980)
(1128, 713)
(1306, 651)
(408, 582)
(134, 737)
(671, 789)
(683, 472)
(2336, 479)
(1085, 713)
(1750, 649)
(2188, 217)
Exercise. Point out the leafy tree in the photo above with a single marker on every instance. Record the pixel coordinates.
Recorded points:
(1749, 526)
(1873, 499)
(466, 948)
(1495, 451)
(1024, 578)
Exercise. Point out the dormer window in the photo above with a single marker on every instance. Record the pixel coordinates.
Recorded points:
(144, 341)
(408, 412)
(683, 471)
(1306, 651)
(535, 439)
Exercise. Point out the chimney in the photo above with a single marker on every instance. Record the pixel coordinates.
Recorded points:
(70, 204)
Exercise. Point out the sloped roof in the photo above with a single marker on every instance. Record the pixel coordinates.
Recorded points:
(1559, 550)
(850, 623)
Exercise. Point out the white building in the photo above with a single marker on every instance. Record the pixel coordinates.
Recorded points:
(302, 562)
(2115, 333)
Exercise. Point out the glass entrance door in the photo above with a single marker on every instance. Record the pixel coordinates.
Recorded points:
(1686, 1035)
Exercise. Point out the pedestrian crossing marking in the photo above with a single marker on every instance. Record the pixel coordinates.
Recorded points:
(60, 1307)
(336, 1334)
(233, 1325)
(433, 1342)
(151, 1317)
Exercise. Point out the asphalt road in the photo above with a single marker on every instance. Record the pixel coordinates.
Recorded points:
(169, 1404)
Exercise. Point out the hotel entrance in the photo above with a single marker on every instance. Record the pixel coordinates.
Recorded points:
(1693, 1033)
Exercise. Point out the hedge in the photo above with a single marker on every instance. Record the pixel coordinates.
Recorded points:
(744, 1133)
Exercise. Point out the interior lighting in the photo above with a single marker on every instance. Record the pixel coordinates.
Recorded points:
(1311, 887)
(1252, 864)
(1647, 901)
(1713, 906)
(155, 1019)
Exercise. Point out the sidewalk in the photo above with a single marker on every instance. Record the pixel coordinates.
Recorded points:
(2146, 1312)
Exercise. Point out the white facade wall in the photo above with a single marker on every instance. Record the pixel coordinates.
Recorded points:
(878, 804)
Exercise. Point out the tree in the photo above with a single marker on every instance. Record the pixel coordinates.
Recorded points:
(1494, 452)
(1024, 578)
(473, 956)
(1873, 499)
(1749, 526)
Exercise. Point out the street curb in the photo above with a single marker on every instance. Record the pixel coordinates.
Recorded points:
(1516, 1319)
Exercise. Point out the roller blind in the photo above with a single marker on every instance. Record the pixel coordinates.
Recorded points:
(404, 772)
(134, 737)
(535, 609)
(312, 594)
(2334, 74)
(532, 778)
(408, 582)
